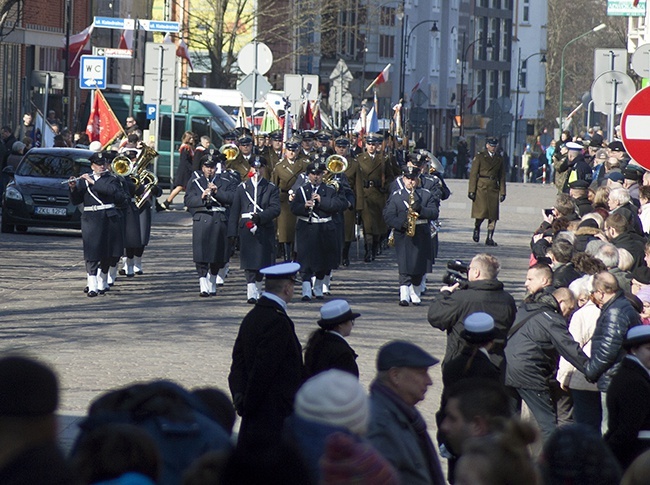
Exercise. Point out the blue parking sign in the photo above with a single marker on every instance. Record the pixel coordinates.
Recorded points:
(151, 111)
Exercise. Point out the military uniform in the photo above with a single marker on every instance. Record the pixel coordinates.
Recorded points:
(414, 254)
(210, 247)
(487, 188)
(316, 233)
(375, 187)
(254, 210)
(101, 224)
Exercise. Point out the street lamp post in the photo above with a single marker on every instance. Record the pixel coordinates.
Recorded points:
(560, 119)
(519, 69)
(463, 60)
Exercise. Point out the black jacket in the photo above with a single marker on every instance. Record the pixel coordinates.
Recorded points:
(532, 348)
(628, 408)
(617, 316)
(448, 310)
(633, 243)
(564, 274)
(331, 352)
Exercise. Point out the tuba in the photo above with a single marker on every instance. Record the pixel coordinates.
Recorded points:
(143, 177)
(122, 165)
(230, 151)
(335, 165)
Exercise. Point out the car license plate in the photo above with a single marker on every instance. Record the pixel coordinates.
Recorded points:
(50, 211)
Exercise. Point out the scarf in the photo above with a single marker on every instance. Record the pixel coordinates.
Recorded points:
(416, 421)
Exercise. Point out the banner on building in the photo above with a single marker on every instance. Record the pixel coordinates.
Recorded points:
(626, 8)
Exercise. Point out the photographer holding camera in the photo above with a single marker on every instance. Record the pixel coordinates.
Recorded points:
(482, 292)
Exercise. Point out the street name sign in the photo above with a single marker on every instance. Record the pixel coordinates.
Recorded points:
(159, 26)
(114, 23)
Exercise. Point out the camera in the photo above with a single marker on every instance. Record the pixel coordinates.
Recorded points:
(456, 273)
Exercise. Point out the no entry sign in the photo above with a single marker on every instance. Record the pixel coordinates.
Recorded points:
(635, 127)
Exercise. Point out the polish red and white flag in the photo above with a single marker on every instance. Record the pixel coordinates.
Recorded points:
(381, 79)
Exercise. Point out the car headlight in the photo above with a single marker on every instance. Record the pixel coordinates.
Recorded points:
(13, 193)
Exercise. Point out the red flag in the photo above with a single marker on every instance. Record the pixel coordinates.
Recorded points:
(473, 101)
(103, 125)
(381, 79)
(183, 52)
(78, 42)
(307, 121)
(126, 40)
(635, 3)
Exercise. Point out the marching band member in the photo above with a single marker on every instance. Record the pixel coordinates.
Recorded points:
(284, 176)
(101, 194)
(353, 174)
(255, 206)
(317, 252)
(408, 211)
(207, 199)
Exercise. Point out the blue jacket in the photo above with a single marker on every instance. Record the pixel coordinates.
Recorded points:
(617, 316)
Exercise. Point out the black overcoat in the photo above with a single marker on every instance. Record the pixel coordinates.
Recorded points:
(414, 254)
(257, 249)
(266, 372)
(317, 242)
(331, 352)
(101, 230)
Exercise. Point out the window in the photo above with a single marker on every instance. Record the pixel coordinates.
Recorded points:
(434, 44)
(526, 12)
(166, 127)
(522, 79)
(387, 16)
(387, 46)
(493, 85)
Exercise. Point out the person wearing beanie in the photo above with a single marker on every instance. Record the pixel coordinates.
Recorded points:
(332, 401)
(29, 396)
(396, 428)
(628, 399)
(327, 347)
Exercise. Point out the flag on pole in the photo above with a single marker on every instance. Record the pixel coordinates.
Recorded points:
(381, 79)
(417, 86)
(286, 127)
(318, 122)
(307, 120)
(521, 108)
(397, 118)
(270, 120)
(635, 3)
(103, 125)
(126, 40)
(473, 101)
(183, 52)
(360, 126)
(168, 38)
(78, 42)
(242, 119)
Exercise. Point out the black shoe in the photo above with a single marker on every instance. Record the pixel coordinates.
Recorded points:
(92, 294)
(122, 272)
(213, 293)
(204, 294)
(490, 242)
(140, 273)
(403, 303)
(101, 292)
(305, 298)
(251, 301)
(320, 297)
(476, 235)
(130, 275)
(345, 262)
(86, 289)
(367, 257)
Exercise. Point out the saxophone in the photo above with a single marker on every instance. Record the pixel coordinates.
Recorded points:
(411, 216)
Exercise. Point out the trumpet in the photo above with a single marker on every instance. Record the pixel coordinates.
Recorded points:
(77, 179)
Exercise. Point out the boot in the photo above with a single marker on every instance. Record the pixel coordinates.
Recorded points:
(102, 282)
(92, 285)
(112, 275)
(318, 289)
(128, 268)
(326, 284)
(251, 293)
(345, 260)
(489, 241)
(414, 293)
(212, 284)
(306, 290)
(122, 271)
(375, 249)
(286, 250)
(204, 287)
(404, 296)
(367, 257)
(477, 234)
(221, 276)
(137, 265)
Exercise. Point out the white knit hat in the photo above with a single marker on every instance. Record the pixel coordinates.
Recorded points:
(336, 398)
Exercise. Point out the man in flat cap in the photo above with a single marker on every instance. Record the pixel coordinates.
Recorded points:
(396, 428)
(487, 188)
(267, 369)
(579, 192)
(29, 396)
(242, 163)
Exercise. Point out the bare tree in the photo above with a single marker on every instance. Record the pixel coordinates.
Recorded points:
(11, 12)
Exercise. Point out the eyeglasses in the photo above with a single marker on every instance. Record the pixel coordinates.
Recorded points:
(130, 121)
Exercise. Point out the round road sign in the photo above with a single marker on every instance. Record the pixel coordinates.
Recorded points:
(247, 57)
(635, 127)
